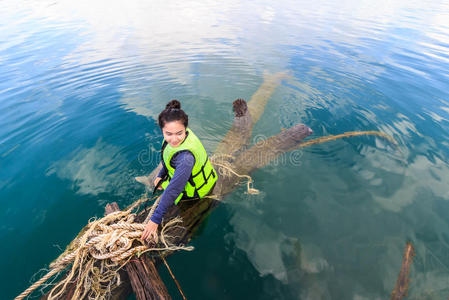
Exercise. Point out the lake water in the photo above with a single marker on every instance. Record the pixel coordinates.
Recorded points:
(82, 83)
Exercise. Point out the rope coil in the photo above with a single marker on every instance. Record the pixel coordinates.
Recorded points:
(100, 251)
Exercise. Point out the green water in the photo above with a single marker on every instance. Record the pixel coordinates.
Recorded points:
(82, 83)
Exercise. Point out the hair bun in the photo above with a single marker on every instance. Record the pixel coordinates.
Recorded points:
(173, 104)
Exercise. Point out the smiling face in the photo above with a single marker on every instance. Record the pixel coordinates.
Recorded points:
(174, 133)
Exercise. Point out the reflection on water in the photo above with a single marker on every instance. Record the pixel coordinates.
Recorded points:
(83, 82)
(94, 171)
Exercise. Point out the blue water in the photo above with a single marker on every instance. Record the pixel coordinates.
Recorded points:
(82, 83)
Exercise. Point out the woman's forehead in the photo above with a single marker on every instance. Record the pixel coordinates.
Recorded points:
(173, 127)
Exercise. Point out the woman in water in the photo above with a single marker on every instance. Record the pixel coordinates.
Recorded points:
(186, 170)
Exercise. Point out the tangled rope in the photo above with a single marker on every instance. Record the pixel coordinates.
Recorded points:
(100, 251)
(226, 169)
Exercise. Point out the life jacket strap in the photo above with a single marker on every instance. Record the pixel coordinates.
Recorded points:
(212, 173)
(206, 179)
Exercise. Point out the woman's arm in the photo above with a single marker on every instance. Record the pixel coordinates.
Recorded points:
(160, 175)
(183, 163)
(162, 172)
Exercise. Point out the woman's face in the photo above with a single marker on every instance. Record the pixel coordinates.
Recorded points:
(174, 133)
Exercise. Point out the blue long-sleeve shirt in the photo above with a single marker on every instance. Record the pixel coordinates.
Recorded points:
(183, 163)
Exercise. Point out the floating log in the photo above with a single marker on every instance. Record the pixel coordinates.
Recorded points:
(240, 132)
(402, 283)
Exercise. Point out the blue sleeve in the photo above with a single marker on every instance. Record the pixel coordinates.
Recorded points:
(161, 172)
(183, 163)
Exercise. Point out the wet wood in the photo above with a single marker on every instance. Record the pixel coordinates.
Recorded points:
(271, 148)
(402, 283)
(258, 101)
(143, 275)
(121, 292)
(238, 136)
(261, 155)
(247, 115)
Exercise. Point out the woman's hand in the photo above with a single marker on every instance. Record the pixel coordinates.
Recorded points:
(156, 181)
(150, 232)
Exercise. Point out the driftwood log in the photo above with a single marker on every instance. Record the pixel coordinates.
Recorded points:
(402, 283)
(142, 272)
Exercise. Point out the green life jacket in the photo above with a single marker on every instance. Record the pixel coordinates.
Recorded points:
(203, 176)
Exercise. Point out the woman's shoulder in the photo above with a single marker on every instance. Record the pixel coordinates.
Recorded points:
(184, 157)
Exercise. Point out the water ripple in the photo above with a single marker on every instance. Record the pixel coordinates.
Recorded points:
(82, 83)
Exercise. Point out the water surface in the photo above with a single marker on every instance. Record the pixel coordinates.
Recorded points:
(82, 83)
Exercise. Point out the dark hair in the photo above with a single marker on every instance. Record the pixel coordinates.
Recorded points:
(173, 112)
